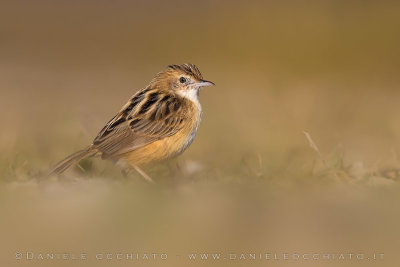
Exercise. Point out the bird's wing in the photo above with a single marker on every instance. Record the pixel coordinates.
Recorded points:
(147, 117)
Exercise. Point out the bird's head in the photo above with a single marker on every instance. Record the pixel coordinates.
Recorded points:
(185, 80)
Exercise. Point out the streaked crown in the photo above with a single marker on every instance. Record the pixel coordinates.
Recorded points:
(188, 69)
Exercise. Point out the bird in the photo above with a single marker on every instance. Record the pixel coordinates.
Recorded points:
(158, 122)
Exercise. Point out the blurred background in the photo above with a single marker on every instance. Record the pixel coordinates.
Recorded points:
(250, 182)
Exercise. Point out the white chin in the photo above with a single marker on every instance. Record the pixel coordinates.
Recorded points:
(191, 94)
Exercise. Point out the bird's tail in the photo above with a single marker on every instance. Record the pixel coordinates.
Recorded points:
(73, 159)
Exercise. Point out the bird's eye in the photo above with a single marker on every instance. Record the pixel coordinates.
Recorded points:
(182, 79)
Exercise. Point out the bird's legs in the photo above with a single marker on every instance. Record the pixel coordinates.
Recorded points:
(127, 168)
(145, 176)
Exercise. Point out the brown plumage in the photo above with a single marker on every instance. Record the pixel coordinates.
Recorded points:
(158, 122)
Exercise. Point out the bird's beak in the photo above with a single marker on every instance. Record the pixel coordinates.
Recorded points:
(204, 83)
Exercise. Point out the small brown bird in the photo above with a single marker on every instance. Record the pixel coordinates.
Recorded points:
(158, 122)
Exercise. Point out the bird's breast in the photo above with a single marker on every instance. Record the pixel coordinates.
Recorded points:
(184, 138)
(171, 146)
